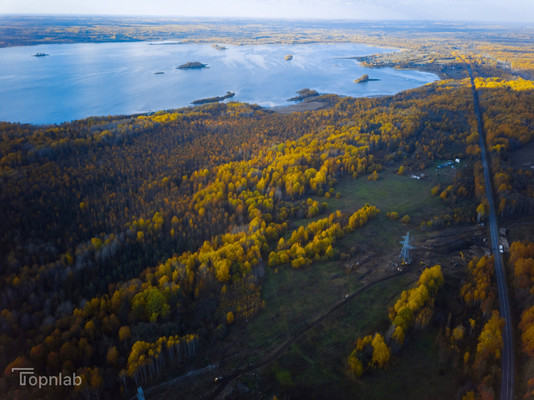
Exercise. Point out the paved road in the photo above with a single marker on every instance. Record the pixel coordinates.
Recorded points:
(507, 382)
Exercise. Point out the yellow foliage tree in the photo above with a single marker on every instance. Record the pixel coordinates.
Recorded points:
(355, 364)
(373, 176)
(381, 352)
(393, 215)
(489, 342)
(112, 356)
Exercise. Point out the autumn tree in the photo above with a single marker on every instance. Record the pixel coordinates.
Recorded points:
(381, 352)
(490, 343)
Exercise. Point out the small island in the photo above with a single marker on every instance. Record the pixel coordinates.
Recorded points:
(304, 94)
(289, 57)
(215, 99)
(159, 73)
(364, 78)
(217, 47)
(40, 55)
(192, 65)
(166, 43)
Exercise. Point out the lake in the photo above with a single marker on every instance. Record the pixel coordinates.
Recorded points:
(91, 79)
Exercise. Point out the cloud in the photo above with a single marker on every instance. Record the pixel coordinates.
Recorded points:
(462, 10)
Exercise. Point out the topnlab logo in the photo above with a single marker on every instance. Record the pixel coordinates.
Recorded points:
(27, 377)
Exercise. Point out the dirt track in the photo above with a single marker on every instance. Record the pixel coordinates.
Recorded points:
(277, 353)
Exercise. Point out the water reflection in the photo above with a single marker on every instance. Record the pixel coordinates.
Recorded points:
(81, 80)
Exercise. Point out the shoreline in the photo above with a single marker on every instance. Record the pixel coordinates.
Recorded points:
(307, 104)
(315, 103)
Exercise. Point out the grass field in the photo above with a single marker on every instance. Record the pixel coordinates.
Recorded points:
(294, 297)
(315, 366)
(391, 192)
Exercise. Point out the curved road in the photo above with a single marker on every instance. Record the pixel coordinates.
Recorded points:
(507, 381)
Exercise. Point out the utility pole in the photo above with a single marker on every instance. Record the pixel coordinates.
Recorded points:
(405, 252)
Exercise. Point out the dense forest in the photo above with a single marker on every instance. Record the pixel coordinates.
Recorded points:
(130, 244)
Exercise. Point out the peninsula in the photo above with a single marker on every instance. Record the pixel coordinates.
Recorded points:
(304, 94)
(215, 99)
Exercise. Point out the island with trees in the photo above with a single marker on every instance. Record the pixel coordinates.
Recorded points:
(365, 78)
(226, 250)
(192, 65)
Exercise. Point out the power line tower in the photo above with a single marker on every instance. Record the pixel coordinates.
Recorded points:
(406, 247)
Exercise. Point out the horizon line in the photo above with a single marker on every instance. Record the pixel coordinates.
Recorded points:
(244, 18)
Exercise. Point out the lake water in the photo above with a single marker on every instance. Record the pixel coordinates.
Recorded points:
(89, 79)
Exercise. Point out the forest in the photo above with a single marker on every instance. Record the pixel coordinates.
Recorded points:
(134, 248)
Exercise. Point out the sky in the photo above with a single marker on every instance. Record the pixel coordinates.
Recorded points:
(459, 10)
